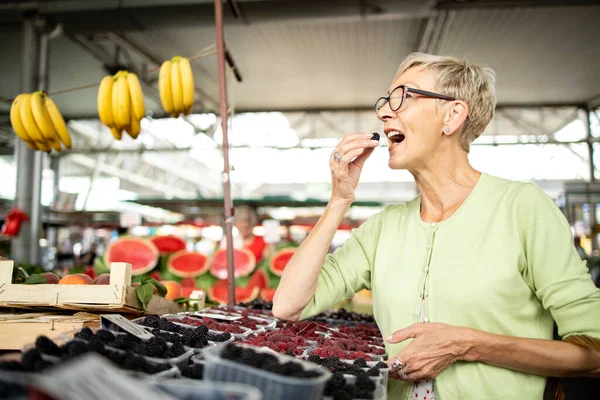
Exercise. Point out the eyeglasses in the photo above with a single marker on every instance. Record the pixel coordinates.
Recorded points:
(398, 95)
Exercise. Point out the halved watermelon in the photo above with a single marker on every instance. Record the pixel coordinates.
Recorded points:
(168, 244)
(141, 253)
(259, 279)
(242, 295)
(280, 259)
(267, 294)
(186, 264)
(244, 262)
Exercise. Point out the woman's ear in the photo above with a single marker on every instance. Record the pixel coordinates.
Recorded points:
(455, 117)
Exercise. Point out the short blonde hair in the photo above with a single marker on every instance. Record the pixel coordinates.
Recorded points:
(462, 80)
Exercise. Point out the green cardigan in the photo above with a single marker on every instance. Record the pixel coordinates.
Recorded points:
(503, 263)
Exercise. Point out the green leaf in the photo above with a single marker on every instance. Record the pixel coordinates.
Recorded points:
(35, 279)
(162, 289)
(144, 293)
(181, 300)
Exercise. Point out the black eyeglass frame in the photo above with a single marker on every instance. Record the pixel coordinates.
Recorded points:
(411, 90)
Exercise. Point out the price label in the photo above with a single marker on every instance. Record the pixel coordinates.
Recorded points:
(219, 316)
(120, 323)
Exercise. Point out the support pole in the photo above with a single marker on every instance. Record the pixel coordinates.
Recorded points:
(590, 144)
(25, 247)
(227, 203)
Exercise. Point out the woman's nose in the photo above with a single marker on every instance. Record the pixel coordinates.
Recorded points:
(385, 113)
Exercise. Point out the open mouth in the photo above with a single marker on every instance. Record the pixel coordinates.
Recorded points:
(396, 137)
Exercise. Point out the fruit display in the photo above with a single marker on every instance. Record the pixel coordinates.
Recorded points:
(343, 315)
(184, 346)
(121, 104)
(37, 121)
(141, 253)
(168, 244)
(187, 264)
(176, 86)
(280, 259)
(244, 262)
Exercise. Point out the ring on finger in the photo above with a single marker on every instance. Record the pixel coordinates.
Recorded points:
(337, 157)
(397, 365)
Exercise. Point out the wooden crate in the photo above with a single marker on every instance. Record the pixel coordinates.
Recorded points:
(117, 297)
(18, 330)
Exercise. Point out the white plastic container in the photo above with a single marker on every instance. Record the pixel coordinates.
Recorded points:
(273, 386)
(190, 389)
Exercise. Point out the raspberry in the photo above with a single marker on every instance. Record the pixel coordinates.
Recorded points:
(282, 346)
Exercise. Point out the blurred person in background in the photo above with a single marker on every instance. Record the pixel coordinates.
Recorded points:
(245, 219)
(469, 277)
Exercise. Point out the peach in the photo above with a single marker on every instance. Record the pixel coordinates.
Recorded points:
(76, 279)
(51, 277)
(174, 290)
(102, 279)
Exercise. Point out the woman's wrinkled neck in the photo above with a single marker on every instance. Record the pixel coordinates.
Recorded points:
(444, 182)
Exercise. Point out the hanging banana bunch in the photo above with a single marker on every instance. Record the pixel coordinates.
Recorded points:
(121, 104)
(176, 86)
(38, 122)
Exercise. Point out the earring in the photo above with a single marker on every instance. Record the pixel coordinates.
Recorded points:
(447, 130)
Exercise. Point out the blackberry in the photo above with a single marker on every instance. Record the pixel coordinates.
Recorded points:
(374, 137)
(124, 343)
(141, 348)
(363, 394)
(290, 369)
(133, 362)
(167, 325)
(157, 347)
(336, 382)
(218, 337)
(315, 359)
(341, 395)
(152, 321)
(105, 336)
(290, 353)
(176, 350)
(360, 362)
(155, 368)
(357, 371)
(364, 383)
(85, 334)
(75, 348)
(380, 365)
(12, 366)
(31, 359)
(231, 352)
(47, 346)
(96, 345)
(373, 372)
(193, 371)
(332, 360)
(202, 329)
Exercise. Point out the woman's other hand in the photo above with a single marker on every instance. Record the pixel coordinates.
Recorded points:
(435, 347)
(346, 164)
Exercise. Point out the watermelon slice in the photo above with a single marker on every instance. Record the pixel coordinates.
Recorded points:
(141, 253)
(259, 279)
(280, 259)
(242, 295)
(244, 261)
(168, 244)
(267, 294)
(186, 264)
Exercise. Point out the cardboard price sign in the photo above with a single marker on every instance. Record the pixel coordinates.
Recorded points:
(119, 323)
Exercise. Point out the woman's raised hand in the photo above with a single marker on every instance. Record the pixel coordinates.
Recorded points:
(346, 164)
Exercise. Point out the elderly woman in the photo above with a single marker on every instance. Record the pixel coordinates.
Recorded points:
(469, 277)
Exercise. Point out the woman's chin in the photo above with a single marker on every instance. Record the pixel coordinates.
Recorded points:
(397, 163)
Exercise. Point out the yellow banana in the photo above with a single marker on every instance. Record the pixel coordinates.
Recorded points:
(136, 95)
(58, 122)
(164, 87)
(105, 101)
(134, 129)
(43, 121)
(117, 133)
(176, 88)
(29, 123)
(15, 120)
(187, 84)
(120, 101)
